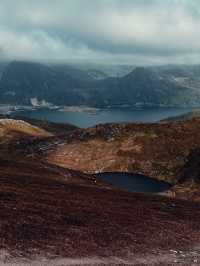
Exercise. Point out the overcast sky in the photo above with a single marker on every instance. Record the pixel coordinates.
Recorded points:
(117, 31)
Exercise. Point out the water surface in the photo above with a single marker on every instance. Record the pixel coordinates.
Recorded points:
(85, 119)
(134, 182)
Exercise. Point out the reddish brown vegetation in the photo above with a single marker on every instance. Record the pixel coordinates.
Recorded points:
(49, 210)
(40, 214)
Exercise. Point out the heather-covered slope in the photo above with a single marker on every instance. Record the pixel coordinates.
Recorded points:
(65, 217)
(48, 212)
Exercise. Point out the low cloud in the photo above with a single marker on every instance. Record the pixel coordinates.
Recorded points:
(128, 31)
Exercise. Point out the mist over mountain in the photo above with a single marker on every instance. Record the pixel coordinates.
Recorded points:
(74, 85)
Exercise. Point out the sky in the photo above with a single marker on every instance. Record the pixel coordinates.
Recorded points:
(134, 32)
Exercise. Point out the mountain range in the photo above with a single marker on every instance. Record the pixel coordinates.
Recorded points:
(74, 85)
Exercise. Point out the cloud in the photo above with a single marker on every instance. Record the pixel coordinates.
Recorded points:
(128, 31)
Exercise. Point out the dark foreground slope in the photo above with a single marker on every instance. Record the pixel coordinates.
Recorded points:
(42, 216)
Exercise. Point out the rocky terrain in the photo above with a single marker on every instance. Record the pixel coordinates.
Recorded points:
(159, 150)
(54, 215)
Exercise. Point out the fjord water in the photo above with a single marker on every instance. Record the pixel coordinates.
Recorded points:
(134, 182)
(85, 119)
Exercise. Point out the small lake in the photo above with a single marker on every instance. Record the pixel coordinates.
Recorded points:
(85, 119)
(134, 182)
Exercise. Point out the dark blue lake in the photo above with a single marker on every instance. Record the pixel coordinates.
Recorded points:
(134, 182)
(85, 119)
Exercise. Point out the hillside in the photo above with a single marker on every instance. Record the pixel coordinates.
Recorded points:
(21, 82)
(63, 217)
(53, 128)
(146, 87)
(23, 127)
(12, 131)
(188, 186)
(159, 150)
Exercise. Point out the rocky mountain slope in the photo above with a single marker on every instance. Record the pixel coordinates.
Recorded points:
(69, 85)
(146, 87)
(159, 150)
